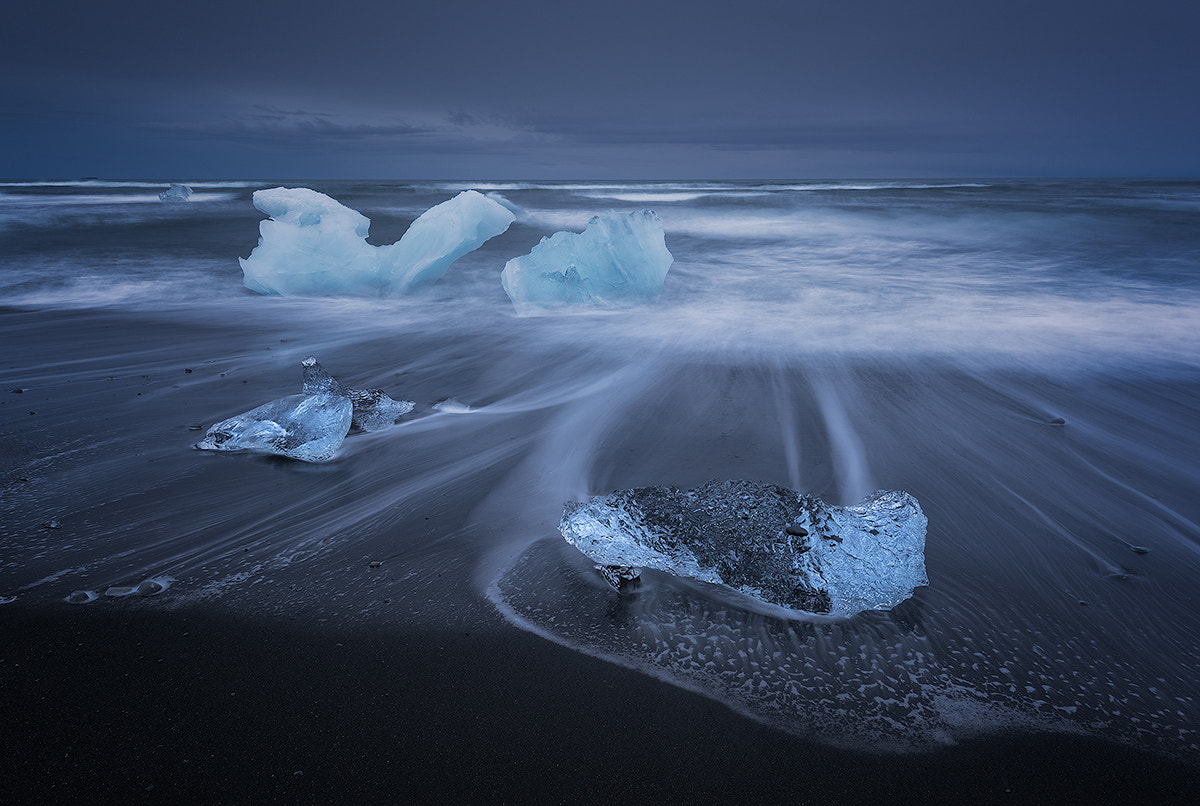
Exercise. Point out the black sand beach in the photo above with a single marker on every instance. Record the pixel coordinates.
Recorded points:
(355, 684)
(196, 707)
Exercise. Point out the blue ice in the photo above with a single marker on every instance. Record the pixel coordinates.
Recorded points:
(616, 260)
(312, 244)
(305, 427)
(176, 193)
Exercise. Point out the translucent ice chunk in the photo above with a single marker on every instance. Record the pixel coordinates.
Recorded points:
(313, 245)
(373, 409)
(765, 541)
(176, 193)
(618, 259)
(441, 235)
(305, 427)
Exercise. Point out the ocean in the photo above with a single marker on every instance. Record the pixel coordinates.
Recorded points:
(1022, 356)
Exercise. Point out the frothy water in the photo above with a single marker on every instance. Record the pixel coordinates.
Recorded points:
(1021, 357)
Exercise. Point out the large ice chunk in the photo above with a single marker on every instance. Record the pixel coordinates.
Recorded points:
(306, 427)
(616, 260)
(311, 244)
(442, 235)
(765, 541)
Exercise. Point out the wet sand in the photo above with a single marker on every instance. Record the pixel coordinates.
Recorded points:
(331, 683)
(192, 706)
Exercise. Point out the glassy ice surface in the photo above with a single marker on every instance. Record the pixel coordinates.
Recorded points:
(176, 193)
(314, 245)
(305, 427)
(441, 235)
(311, 244)
(618, 259)
(373, 409)
(765, 541)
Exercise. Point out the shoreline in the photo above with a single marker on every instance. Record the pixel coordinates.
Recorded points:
(194, 705)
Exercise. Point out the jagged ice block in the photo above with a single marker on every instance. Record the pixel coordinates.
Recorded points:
(305, 427)
(616, 260)
(765, 541)
(176, 193)
(373, 409)
(312, 244)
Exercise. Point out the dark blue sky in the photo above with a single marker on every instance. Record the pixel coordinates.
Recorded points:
(773, 89)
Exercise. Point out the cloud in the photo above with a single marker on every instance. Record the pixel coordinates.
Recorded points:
(276, 126)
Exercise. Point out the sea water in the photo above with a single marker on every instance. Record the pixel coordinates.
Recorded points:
(1021, 356)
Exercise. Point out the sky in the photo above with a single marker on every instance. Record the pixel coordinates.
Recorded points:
(608, 89)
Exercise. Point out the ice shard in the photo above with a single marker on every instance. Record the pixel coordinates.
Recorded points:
(312, 244)
(618, 259)
(373, 409)
(305, 427)
(309, 426)
(767, 542)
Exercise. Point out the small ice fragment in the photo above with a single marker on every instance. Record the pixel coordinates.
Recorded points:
(451, 406)
(318, 381)
(83, 597)
(305, 427)
(619, 576)
(373, 409)
(312, 244)
(618, 259)
(768, 542)
(176, 193)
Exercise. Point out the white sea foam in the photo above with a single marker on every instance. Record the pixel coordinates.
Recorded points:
(102, 183)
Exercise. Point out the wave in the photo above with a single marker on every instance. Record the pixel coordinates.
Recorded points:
(105, 183)
(46, 200)
(704, 188)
